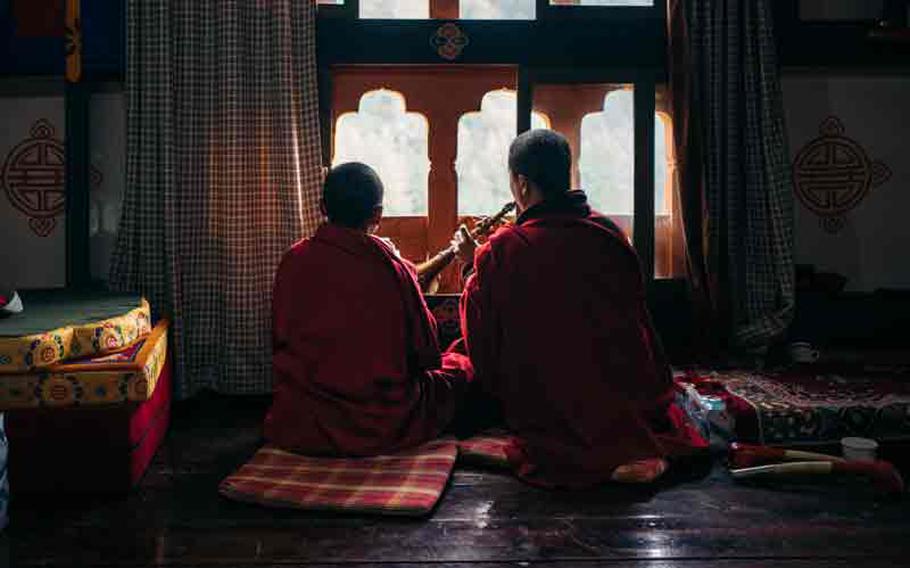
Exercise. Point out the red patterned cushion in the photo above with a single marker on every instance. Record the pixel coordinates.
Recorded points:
(791, 408)
(487, 449)
(408, 483)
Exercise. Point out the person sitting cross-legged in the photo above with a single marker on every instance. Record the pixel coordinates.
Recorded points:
(556, 324)
(356, 362)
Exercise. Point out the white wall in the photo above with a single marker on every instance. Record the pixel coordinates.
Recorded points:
(28, 260)
(873, 248)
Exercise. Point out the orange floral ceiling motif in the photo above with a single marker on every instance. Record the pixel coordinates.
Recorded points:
(449, 41)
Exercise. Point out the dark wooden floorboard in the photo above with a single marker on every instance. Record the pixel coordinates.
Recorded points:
(176, 518)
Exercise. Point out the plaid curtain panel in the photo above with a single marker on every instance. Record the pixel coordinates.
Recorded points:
(733, 166)
(223, 174)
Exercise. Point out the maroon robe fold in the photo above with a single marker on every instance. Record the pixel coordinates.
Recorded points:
(356, 362)
(558, 331)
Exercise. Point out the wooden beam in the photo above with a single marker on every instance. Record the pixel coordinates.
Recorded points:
(326, 123)
(525, 100)
(76, 179)
(631, 43)
(643, 227)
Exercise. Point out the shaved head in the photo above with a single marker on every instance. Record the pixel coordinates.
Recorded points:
(351, 193)
(544, 158)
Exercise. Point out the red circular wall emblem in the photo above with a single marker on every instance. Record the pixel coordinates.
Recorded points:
(832, 174)
(33, 177)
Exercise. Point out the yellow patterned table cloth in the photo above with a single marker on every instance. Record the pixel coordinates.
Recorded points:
(60, 326)
(129, 375)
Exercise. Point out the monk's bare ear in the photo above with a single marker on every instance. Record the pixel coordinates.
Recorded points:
(524, 186)
(376, 217)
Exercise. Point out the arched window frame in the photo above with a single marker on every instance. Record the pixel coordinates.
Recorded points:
(564, 44)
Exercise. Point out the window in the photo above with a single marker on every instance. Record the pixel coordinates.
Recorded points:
(383, 135)
(483, 148)
(393, 118)
(497, 9)
(606, 156)
(398, 9)
(601, 2)
(598, 121)
(605, 170)
(436, 123)
(467, 9)
(448, 9)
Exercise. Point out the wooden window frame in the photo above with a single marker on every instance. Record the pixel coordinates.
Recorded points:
(465, 87)
(564, 44)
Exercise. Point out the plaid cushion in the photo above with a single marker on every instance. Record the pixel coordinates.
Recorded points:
(408, 483)
(486, 449)
(491, 449)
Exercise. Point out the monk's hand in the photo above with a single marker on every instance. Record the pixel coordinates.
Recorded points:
(464, 245)
(391, 244)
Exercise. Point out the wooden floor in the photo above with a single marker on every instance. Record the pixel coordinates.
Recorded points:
(176, 518)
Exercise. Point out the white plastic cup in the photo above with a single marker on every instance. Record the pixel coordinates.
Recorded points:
(804, 352)
(862, 449)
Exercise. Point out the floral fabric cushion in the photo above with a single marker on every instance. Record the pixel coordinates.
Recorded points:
(61, 326)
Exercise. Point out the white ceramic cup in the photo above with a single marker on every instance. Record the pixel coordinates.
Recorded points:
(803, 352)
(862, 449)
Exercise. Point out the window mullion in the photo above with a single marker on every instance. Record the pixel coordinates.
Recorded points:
(525, 100)
(643, 226)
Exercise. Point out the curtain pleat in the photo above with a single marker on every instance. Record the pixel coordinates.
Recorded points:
(734, 174)
(223, 174)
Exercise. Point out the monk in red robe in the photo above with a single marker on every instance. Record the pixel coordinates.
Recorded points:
(557, 328)
(357, 367)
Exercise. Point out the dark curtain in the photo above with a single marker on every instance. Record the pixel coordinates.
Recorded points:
(733, 167)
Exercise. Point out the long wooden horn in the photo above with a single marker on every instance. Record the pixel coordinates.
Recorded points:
(884, 476)
(750, 455)
(429, 270)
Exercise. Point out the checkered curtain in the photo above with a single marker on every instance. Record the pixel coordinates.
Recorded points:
(735, 183)
(223, 174)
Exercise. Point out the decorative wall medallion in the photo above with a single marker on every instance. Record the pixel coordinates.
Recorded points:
(449, 41)
(832, 174)
(33, 178)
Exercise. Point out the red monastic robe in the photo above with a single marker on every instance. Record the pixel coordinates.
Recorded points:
(558, 330)
(356, 362)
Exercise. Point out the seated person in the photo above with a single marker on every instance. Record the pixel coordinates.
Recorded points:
(357, 367)
(557, 328)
